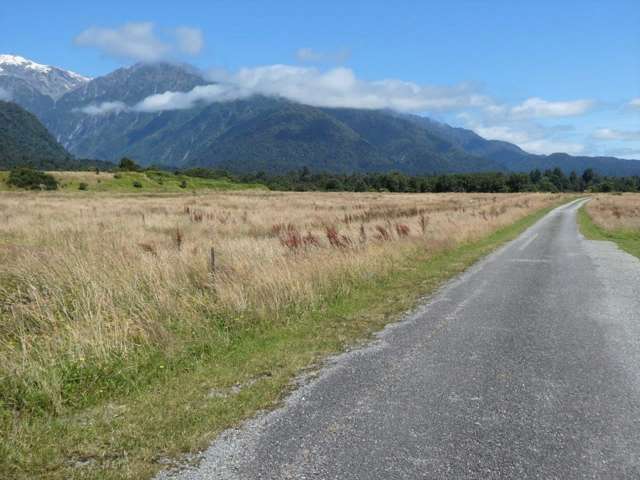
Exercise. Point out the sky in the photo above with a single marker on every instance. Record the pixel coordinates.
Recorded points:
(547, 75)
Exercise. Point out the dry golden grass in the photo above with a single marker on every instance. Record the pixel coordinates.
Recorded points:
(85, 280)
(615, 212)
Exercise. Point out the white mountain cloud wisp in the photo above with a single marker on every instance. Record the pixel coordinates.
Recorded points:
(538, 107)
(337, 87)
(530, 137)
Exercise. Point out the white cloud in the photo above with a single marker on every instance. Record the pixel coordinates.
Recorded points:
(613, 134)
(202, 94)
(529, 142)
(140, 42)
(5, 95)
(136, 41)
(545, 146)
(315, 56)
(517, 124)
(337, 87)
(104, 108)
(190, 40)
(529, 136)
(538, 107)
(504, 133)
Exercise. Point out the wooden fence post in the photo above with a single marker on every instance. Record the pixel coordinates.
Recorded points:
(212, 260)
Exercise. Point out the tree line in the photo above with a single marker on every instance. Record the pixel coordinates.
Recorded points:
(554, 180)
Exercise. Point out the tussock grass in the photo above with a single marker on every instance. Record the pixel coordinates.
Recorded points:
(615, 218)
(144, 302)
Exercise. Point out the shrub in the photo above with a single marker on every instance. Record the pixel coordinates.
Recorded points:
(183, 184)
(137, 184)
(31, 179)
(83, 186)
(128, 165)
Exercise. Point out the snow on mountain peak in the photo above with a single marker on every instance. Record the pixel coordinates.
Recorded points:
(17, 60)
(48, 80)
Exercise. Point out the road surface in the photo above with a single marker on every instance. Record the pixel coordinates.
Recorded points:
(526, 366)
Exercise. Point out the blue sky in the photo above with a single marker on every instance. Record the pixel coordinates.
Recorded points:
(550, 76)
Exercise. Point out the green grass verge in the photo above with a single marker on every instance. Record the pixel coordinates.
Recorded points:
(130, 423)
(627, 240)
(138, 182)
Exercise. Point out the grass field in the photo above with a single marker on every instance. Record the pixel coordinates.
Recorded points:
(136, 182)
(614, 218)
(133, 329)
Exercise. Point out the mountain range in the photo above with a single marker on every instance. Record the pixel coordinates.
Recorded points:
(259, 133)
(23, 139)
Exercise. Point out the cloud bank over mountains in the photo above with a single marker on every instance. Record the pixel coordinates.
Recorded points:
(341, 88)
(527, 123)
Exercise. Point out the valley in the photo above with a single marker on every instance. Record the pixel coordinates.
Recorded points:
(105, 118)
(329, 240)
